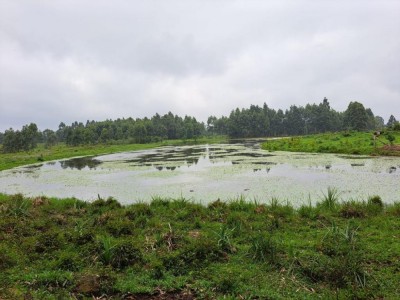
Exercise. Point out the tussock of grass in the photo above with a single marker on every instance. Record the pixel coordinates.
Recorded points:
(56, 249)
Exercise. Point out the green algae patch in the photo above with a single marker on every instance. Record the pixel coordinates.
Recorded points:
(206, 173)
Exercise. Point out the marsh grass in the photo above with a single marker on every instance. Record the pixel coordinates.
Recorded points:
(18, 206)
(308, 211)
(58, 249)
(264, 248)
(330, 200)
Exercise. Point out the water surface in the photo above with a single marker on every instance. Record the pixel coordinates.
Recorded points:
(209, 172)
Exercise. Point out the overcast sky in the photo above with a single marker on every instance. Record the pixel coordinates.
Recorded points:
(75, 60)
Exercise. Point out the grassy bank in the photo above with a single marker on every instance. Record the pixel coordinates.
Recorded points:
(60, 151)
(342, 142)
(70, 249)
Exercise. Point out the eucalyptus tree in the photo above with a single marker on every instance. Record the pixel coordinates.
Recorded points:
(356, 117)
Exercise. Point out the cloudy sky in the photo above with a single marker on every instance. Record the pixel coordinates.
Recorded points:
(67, 60)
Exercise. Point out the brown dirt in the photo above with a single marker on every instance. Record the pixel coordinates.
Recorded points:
(88, 284)
(391, 148)
(182, 295)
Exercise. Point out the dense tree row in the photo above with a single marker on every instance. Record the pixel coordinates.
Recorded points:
(145, 130)
(263, 121)
(252, 122)
(24, 140)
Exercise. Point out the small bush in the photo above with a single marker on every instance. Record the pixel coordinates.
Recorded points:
(330, 200)
(224, 239)
(264, 249)
(118, 254)
(376, 200)
(19, 206)
(236, 223)
(308, 212)
(353, 209)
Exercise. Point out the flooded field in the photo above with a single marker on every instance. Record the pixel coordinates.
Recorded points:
(209, 172)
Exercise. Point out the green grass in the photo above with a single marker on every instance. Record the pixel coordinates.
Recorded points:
(70, 249)
(341, 142)
(60, 151)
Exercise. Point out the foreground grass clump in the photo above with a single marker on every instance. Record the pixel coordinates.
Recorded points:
(340, 142)
(70, 249)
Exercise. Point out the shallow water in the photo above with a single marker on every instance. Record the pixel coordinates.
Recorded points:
(209, 172)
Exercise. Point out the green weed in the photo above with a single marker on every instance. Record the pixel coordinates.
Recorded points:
(330, 199)
(264, 248)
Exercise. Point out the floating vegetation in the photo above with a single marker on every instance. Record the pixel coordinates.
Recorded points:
(357, 165)
(211, 171)
(33, 166)
(80, 163)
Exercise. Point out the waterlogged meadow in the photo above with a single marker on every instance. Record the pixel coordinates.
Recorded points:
(177, 249)
(223, 221)
(206, 173)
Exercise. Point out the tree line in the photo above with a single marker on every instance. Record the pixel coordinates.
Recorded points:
(128, 130)
(255, 121)
(259, 121)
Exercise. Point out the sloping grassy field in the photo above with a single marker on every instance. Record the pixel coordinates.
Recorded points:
(339, 142)
(176, 249)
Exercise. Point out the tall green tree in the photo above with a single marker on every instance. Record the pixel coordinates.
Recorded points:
(23, 140)
(356, 117)
(49, 138)
(392, 120)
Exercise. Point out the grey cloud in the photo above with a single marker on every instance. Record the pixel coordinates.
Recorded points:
(77, 60)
